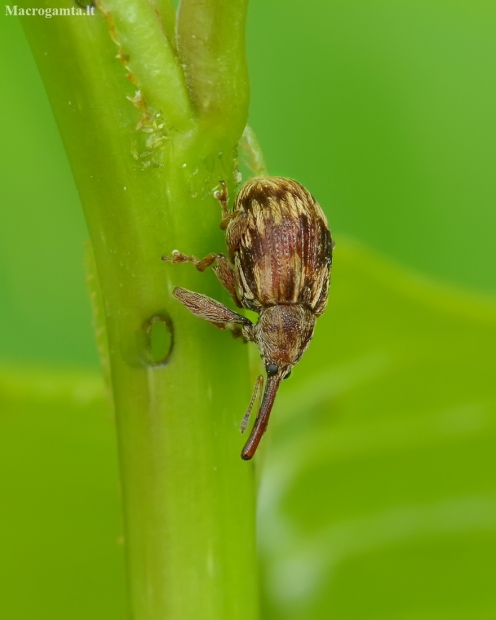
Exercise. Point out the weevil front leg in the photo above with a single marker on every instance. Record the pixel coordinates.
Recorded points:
(223, 269)
(178, 257)
(223, 198)
(214, 312)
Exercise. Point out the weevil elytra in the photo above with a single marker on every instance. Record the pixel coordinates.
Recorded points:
(279, 265)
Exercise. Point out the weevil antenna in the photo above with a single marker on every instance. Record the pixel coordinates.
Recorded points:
(256, 390)
(262, 420)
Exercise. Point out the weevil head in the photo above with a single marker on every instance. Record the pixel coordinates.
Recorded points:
(282, 335)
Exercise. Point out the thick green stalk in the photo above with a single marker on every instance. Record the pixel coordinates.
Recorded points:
(146, 174)
(211, 46)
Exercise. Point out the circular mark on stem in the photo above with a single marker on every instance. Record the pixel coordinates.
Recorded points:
(159, 339)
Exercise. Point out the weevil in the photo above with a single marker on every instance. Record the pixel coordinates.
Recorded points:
(278, 265)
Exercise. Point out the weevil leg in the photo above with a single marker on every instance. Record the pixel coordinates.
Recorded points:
(212, 311)
(223, 269)
(178, 257)
(223, 198)
(227, 277)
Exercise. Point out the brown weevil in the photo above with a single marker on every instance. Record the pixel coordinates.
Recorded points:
(280, 257)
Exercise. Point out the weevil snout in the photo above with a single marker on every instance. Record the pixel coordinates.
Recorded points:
(260, 426)
(282, 335)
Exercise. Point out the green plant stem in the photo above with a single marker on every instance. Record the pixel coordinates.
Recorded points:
(189, 501)
(167, 16)
(211, 44)
(148, 53)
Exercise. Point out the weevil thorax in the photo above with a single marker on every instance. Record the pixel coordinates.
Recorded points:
(282, 335)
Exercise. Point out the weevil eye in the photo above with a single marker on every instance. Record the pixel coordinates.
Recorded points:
(287, 375)
(271, 369)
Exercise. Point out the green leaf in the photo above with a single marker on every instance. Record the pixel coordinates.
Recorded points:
(60, 524)
(379, 497)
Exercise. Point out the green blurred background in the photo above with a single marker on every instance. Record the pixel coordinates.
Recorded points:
(387, 112)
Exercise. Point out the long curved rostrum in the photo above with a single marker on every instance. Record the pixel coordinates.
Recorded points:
(262, 420)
